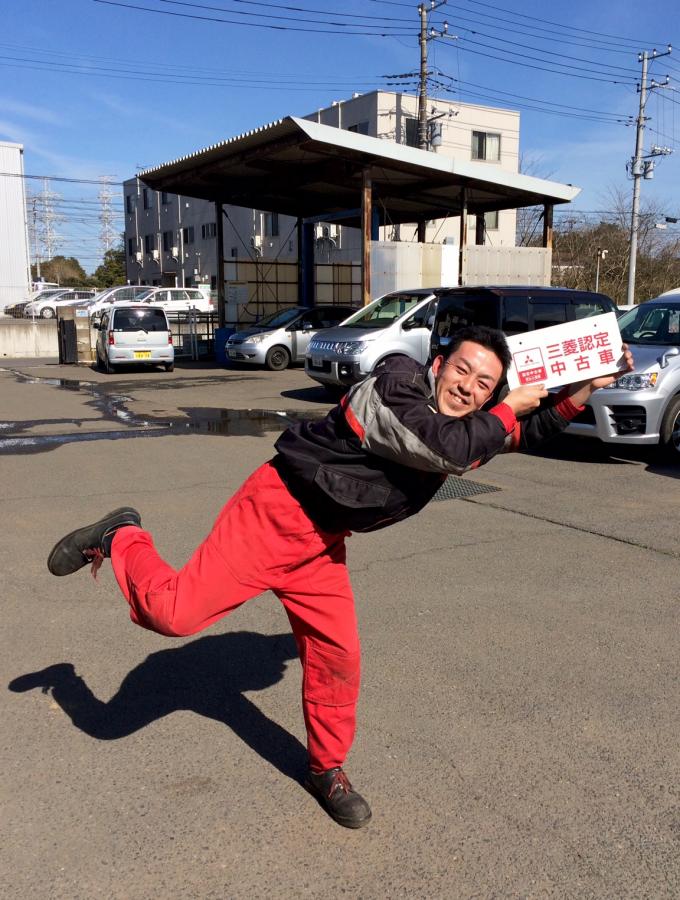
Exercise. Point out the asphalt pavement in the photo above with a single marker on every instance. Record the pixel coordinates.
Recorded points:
(518, 726)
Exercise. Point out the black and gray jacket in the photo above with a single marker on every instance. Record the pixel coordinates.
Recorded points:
(384, 451)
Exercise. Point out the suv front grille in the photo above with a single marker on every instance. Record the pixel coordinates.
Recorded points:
(629, 419)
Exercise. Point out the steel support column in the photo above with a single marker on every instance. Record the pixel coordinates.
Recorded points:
(548, 226)
(219, 254)
(366, 234)
(305, 232)
(463, 237)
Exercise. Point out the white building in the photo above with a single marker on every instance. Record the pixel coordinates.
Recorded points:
(15, 271)
(170, 240)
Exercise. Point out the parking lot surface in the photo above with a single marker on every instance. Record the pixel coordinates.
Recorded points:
(518, 727)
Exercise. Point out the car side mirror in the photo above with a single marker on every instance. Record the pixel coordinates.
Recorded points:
(664, 359)
(96, 326)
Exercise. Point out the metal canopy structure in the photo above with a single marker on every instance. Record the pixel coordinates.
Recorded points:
(301, 168)
(316, 172)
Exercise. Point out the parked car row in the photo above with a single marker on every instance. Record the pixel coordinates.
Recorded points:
(640, 408)
(46, 303)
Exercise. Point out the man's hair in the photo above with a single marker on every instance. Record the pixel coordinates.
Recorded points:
(490, 338)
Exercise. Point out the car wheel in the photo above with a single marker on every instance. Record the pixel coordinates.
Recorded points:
(47, 313)
(670, 430)
(169, 367)
(277, 359)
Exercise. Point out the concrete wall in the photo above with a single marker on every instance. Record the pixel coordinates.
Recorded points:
(28, 339)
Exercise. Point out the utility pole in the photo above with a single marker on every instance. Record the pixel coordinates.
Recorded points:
(425, 36)
(641, 166)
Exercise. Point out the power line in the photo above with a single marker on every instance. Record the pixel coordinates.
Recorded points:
(305, 10)
(608, 69)
(527, 65)
(164, 12)
(535, 32)
(630, 41)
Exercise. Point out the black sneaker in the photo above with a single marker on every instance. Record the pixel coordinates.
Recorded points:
(91, 543)
(337, 796)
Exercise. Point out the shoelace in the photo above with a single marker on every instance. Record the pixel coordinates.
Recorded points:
(95, 555)
(340, 780)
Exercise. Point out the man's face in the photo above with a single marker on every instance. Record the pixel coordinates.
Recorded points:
(466, 380)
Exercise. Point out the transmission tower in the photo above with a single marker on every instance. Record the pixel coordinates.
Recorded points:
(107, 231)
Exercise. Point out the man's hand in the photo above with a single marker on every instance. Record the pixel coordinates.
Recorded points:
(523, 399)
(580, 392)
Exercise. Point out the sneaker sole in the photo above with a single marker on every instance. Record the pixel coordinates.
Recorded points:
(346, 823)
(122, 511)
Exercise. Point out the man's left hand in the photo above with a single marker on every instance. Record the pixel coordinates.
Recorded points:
(580, 392)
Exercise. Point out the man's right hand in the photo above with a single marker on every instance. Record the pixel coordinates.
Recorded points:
(524, 399)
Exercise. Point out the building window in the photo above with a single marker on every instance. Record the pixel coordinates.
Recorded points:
(209, 230)
(129, 203)
(146, 198)
(165, 198)
(167, 241)
(271, 224)
(149, 243)
(486, 146)
(188, 234)
(132, 246)
(234, 252)
(410, 131)
(359, 128)
(491, 220)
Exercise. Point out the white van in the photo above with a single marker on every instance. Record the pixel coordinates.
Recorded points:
(134, 335)
(397, 324)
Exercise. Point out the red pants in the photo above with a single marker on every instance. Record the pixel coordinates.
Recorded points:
(262, 540)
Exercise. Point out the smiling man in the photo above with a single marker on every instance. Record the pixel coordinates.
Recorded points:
(376, 459)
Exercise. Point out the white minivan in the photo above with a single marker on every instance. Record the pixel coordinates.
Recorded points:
(397, 324)
(134, 335)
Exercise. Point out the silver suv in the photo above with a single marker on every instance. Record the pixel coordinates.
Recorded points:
(642, 407)
(396, 324)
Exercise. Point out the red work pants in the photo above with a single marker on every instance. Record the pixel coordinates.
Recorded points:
(262, 540)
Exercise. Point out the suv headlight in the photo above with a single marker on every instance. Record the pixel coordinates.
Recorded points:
(351, 348)
(635, 382)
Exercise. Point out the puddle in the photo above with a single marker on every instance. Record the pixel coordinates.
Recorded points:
(113, 408)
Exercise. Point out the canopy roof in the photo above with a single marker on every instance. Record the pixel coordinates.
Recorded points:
(301, 168)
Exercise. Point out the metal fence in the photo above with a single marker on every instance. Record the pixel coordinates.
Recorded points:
(193, 334)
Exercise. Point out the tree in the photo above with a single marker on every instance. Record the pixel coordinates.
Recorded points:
(576, 243)
(64, 270)
(112, 270)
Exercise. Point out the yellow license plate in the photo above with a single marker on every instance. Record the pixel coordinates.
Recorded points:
(142, 354)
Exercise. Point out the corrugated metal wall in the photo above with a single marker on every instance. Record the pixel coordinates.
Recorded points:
(14, 269)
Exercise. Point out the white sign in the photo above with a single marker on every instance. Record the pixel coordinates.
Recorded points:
(562, 354)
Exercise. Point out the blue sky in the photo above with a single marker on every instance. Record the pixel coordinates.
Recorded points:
(97, 88)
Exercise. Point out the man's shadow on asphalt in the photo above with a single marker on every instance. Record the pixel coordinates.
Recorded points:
(208, 676)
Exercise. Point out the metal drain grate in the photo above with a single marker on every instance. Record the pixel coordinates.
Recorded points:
(455, 488)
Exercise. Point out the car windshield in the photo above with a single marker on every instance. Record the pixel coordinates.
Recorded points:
(140, 320)
(279, 319)
(652, 323)
(383, 312)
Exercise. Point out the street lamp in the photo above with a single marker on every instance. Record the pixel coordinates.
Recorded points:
(601, 254)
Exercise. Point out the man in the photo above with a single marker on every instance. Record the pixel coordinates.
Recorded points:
(377, 458)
